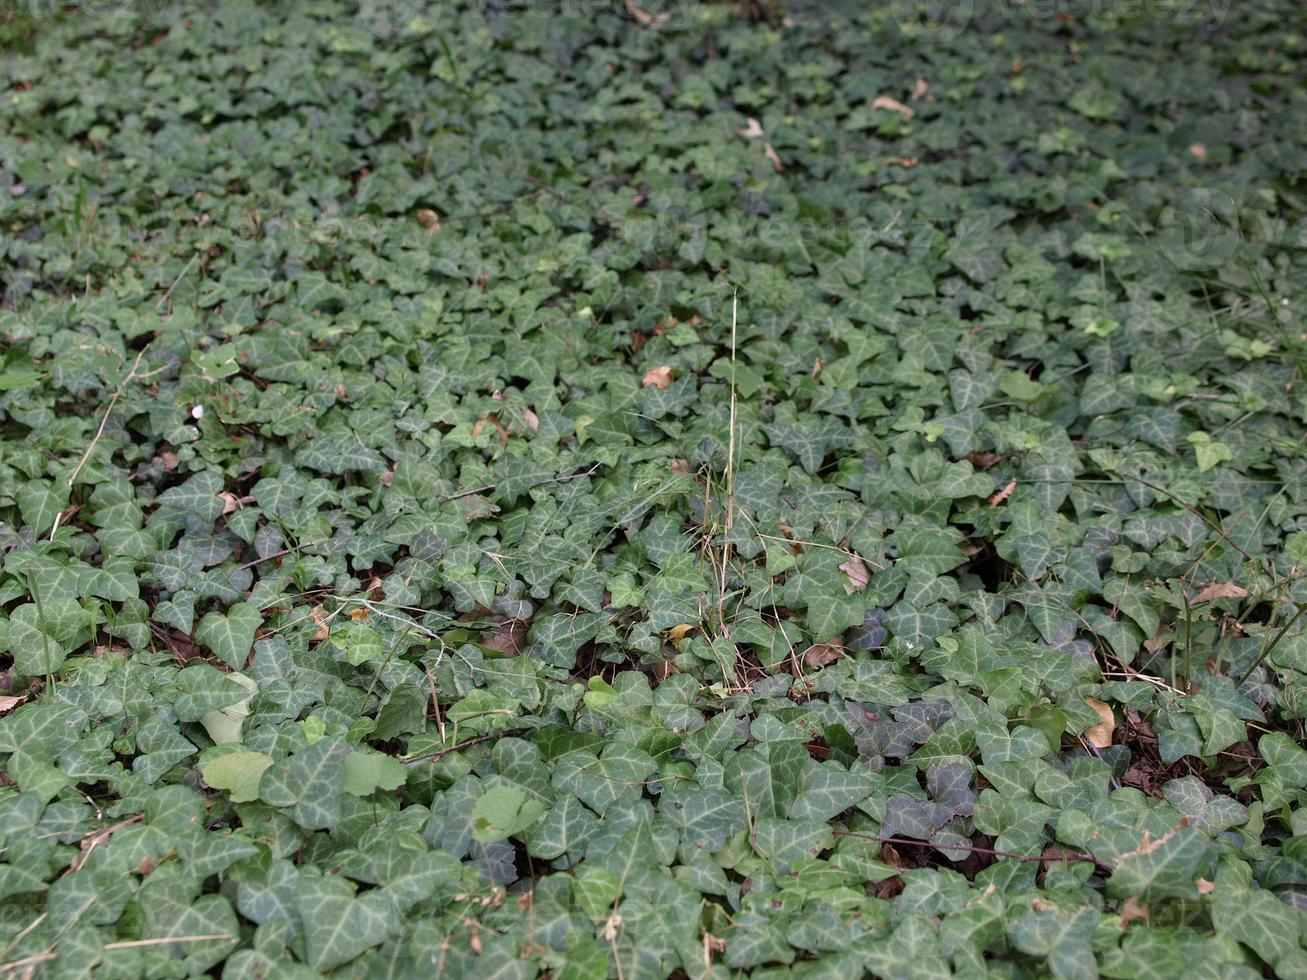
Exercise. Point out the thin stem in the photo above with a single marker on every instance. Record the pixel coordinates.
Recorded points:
(1266, 652)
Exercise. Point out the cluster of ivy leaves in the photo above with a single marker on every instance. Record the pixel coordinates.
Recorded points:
(502, 487)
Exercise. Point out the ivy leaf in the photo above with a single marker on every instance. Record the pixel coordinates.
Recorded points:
(1263, 923)
(337, 926)
(230, 635)
(308, 783)
(239, 773)
(41, 637)
(504, 811)
(367, 772)
(1164, 866)
(40, 502)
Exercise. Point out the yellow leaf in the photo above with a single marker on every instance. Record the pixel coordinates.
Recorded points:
(677, 633)
(1100, 735)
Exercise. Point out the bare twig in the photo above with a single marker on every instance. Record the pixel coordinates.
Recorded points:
(441, 753)
(277, 554)
(113, 400)
(487, 487)
(645, 19)
(37, 958)
(1193, 510)
(176, 282)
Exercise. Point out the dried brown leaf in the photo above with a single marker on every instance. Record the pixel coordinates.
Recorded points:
(319, 616)
(428, 219)
(1003, 494)
(821, 654)
(1220, 590)
(894, 105)
(509, 638)
(490, 418)
(659, 377)
(1132, 909)
(856, 570)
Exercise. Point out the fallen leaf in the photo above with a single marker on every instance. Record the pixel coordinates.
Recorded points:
(1003, 494)
(919, 89)
(677, 633)
(984, 460)
(1100, 735)
(509, 638)
(532, 419)
(359, 613)
(753, 130)
(894, 105)
(645, 19)
(774, 157)
(1158, 640)
(1220, 590)
(821, 654)
(1205, 887)
(8, 704)
(659, 377)
(490, 418)
(905, 162)
(858, 575)
(319, 616)
(170, 460)
(1132, 909)
(1198, 151)
(611, 926)
(681, 467)
(664, 669)
(428, 219)
(230, 502)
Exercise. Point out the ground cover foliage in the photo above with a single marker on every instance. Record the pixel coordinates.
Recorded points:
(411, 565)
